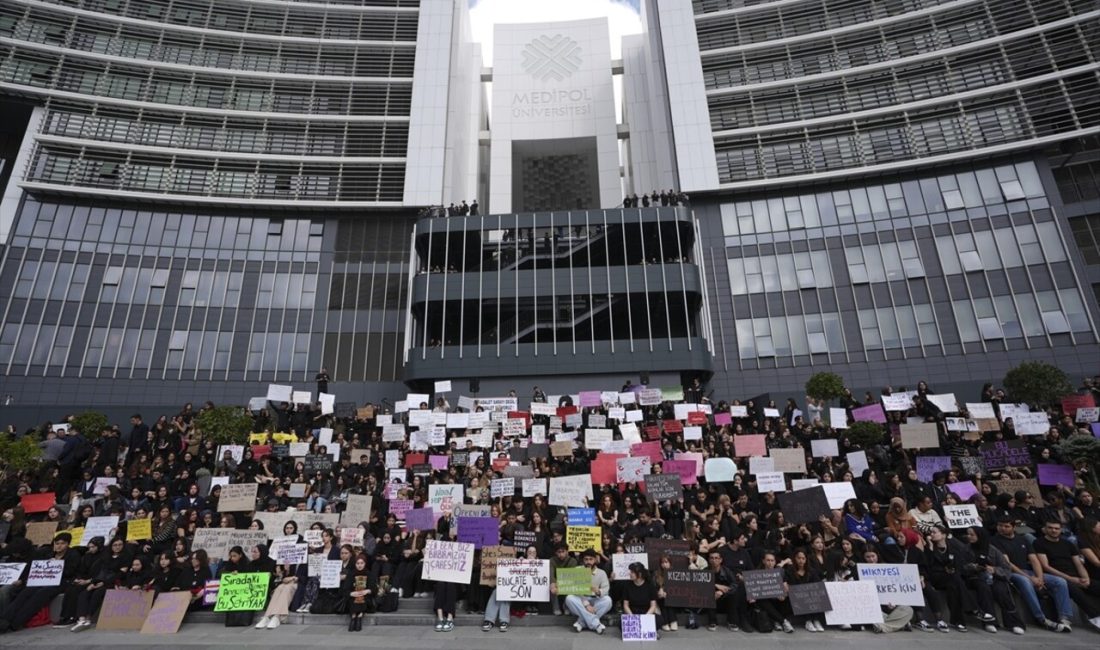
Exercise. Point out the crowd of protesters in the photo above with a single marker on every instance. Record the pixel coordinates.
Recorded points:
(1031, 563)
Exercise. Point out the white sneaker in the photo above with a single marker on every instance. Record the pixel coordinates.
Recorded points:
(263, 623)
(810, 626)
(818, 626)
(1095, 622)
(1018, 630)
(787, 627)
(304, 609)
(673, 626)
(274, 623)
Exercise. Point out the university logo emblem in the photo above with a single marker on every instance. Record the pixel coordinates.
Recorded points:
(551, 57)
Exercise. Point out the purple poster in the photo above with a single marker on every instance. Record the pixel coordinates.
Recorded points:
(963, 489)
(438, 462)
(589, 398)
(1005, 453)
(721, 419)
(420, 519)
(686, 469)
(929, 465)
(1056, 475)
(479, 531)
(869, 413)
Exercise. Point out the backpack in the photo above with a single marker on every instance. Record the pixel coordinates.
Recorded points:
(389, 602)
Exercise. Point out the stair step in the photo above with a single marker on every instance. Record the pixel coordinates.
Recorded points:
(400, 617)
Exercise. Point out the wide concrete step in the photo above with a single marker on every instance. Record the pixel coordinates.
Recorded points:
(412, 611)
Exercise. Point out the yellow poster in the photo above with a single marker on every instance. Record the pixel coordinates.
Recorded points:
(139, 529)
(581, 538)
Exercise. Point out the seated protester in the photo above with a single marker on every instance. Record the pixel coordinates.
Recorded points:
(770, 613)
(109, 573)
(193, 577)
(588, 609)
(895, 618)
(1027, 575)
(841, 561)
(798, 572)
(647, 526)
(1060, 558)
(237, 563)
(729, 596)
(987, 572)
(410, 561)
(924, 515)
(898, 518)
(1088, 534)
(286, 578)
(81, 579)
(640, 595)
(138, 577)
(909, 549)
(496, 610)
(362, 591)
(560, 560)
(942, 572)
(30, 600)
(857, 523)
(660, 576)
(164, 574)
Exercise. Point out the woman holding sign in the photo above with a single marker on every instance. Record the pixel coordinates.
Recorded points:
(361, 590)
(640, 594)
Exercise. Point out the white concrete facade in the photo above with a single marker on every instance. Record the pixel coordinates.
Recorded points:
(552, 81)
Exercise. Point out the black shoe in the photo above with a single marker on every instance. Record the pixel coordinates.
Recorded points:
(351, 624)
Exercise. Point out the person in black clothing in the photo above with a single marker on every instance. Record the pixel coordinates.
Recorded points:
(640, 594)
(193, 576)
(361, 590)
(164, 574)
(726, 588)
(84, 573)
(322, 379)
(138, 441)
(30, 600)
(108, 450)
(1061, 558)
(474, 208)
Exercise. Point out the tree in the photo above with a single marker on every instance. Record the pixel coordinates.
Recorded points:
(1084, 449)
(90, 423)
(18, 455)
(825, 386)
(865, 434)
(225, 424)
(1037, 383)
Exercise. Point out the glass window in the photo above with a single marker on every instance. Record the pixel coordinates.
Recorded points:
(868, 325)
(1030, 249)
(964, 318)
(746, 340)
(1074, 309)
(949, 256)
(1051, 241)
(1009, 250)
(926, 323)
(1030, 319)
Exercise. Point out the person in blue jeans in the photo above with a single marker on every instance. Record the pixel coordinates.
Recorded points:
(494, 610)
(1028, 577)
(589, 609)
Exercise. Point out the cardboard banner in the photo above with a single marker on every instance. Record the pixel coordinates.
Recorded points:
(763, 584)
(242, 592)
(789, 461)
(576, 581)
(479, 531)
(523, 580)
(1005, 453)
(573, 490)
(124, 610)
(620, 564)
(38, 502)
(694, 589)
(639, 627)
(582, 538)
(217, 541)
(10, 572)
(167, 613)
(238, 497)
(490, 557)
(927, 466)
(448, 561)
(139, 529)
(898, 584)
(804, 506)
(357, 510)
(809, 598)
(42, 532)
(920, 436)
(663, 487)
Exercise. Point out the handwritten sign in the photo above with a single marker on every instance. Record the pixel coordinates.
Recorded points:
(581, 538)
(448, 561)
(238, 497)
(576, 581)
(242, 592)
(763, 584)
(490, 556)
(523, 580)
(927, 466)
(330, 574)
(139, 529)
(632, 469)
(1005, 453)
(620, 564)
(573, 490)
(663, 487)
(479, 531)
(45, 573)
(853, 603)
(809, 598)
(920, 436)
(10, 572)
(639, 627)
(687, 588)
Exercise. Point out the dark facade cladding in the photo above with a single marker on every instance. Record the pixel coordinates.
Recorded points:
(573, 292)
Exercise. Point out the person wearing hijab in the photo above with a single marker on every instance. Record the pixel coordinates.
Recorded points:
(361, 590)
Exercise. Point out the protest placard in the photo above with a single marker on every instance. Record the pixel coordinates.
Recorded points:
(238, 497)
(573, 490)
(1051, 474)
(687, 470)
(533, 486)
(857, 461)
(45, 573)
(357, 510)
(809, 598)
(523, 580)
(330, 574)
(167, 613)
(689, 588)
(576, 581)
(352, 536)
(632, 469)
(620, 564)
(898, 584)
(927, 466)
(869, 413)
(582, 538)
(824, 448)
(96, 527)
(41, 532)
(837, 493)
(479, 531)
(448, 561)
(789, 461)
(37, 502)
(663, 487)
(761, 464)
(763, 584)
(580, 517)
(900, 402)
(524, 539)
(639, 627)
(1005, 453)
(490, 556)
(242, 592)
(10, 571)
(838, 418)
(719, 470)
(770, 482)
(920, 436)
(961, 516)
(502, 487)
(217, 541)
(139, 529)
(278, 393)
(853, 603)
(420, 519)
(804, 506)
(124, 610)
